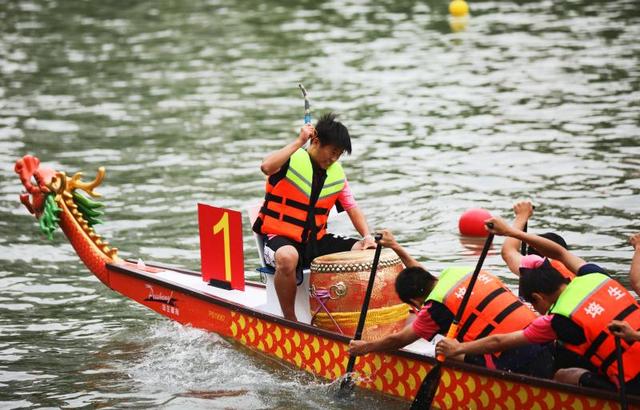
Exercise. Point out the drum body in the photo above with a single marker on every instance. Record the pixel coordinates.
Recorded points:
(338, 285)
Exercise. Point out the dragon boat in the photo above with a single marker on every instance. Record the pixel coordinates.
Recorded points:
(245, 316)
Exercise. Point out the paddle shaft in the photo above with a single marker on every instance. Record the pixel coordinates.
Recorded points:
(427, 391)
(472, 282)
(365, 305)
(307, 106)
(623, 390)
(523, 244)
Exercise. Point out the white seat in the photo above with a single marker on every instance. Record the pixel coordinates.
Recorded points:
(302, 306)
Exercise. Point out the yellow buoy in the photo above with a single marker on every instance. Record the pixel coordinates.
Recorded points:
(458, 8)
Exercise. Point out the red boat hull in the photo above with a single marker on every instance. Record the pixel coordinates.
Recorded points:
(324, 353)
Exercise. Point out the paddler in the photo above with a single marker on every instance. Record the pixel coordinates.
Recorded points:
(618, 327)
(492, 308)
(577, 313)
(515, 260)
(302, 187)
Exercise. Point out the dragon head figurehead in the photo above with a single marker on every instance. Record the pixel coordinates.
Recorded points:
(55, 200)
(35, 180)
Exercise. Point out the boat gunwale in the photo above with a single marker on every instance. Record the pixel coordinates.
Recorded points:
(454, 365)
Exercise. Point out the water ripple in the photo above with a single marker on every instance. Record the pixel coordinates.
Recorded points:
(181, 101)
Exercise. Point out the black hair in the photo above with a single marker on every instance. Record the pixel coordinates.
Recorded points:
(552, 236)
(333, 132)
(414, 282)
(543, 279)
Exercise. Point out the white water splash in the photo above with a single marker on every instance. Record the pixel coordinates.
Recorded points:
(185, 367)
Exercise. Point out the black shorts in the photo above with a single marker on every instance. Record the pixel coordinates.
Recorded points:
(532, 359)
(329, 243)
(565, 358)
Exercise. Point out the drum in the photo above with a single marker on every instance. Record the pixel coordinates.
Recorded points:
(338, 284)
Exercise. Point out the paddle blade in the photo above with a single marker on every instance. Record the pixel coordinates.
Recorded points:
(428, 388)
(347, 382)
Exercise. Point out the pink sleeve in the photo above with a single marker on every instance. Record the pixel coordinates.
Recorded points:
(424, 326)
(540, 330)
(347, 201)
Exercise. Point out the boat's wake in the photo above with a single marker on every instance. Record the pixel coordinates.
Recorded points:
(183, 366)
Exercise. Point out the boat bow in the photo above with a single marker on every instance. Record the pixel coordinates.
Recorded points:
(55, 200)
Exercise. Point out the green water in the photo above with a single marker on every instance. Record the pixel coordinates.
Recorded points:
(180, 101)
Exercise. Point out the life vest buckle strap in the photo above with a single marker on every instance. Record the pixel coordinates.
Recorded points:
(608, 361)
(483, 304)
(295, 204)
(293, 221)
(268, 212)
(486, 331)
(508, 310)
(466, 325)
(285, 218)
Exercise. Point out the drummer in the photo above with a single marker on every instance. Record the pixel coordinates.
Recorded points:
(494, 309)
(302, 187)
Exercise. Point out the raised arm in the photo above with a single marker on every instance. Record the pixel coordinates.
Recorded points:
(274, 161)
(546, 247)
(389, 241)
(511, 246)
(634, 272)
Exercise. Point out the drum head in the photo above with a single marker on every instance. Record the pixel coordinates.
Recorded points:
(353, 261)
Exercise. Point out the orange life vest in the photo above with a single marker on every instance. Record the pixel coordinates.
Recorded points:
(492, 308)
(288, 206)
(592, 301)
(564, 271)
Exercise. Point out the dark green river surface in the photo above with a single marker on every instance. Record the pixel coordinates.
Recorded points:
(181, 100)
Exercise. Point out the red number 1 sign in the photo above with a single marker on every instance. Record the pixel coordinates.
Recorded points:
(221, 247)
